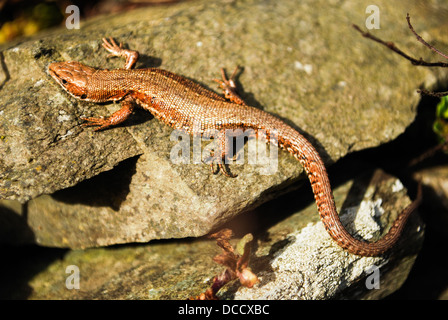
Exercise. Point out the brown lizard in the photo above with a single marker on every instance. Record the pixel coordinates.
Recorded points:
(183, 104)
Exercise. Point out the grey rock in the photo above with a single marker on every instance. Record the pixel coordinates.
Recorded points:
(311, 267)
(435, 193)
(308, 66)
(43, 149)
(294, 258)
(434, 178)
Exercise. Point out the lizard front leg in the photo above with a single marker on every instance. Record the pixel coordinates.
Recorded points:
(131, 56)
(127, 106)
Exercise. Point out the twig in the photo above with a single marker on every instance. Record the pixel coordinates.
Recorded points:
(408, 18)
(419, 62)
(393, 47)
(433, 94)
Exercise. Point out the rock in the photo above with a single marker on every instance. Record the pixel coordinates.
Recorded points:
(435, 179)
(305, 65)
(294, 258)
(426, 282)
(42, 148)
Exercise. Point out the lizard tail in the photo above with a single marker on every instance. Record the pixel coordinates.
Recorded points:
(320, 184)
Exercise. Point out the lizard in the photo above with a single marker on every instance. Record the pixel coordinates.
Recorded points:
(184, 104)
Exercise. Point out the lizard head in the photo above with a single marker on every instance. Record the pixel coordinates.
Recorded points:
(72, 76)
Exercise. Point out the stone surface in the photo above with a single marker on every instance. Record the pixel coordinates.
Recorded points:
(306, 65)
(294, 257)
(435, 179)
(431, 270)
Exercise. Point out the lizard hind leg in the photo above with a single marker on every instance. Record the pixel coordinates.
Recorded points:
(220, 155)
(229, 87)
(221, 167)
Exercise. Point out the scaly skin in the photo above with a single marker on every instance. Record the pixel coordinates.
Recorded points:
(183, 104)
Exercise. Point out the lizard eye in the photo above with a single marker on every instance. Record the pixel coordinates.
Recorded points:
(64, 81)
(83, 96)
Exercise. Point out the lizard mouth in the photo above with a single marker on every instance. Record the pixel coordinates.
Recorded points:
(71, 76)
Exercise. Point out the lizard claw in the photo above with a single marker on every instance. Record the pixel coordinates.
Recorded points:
(92, 122)
(221, 167)
(229, 87)
(112, 47)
